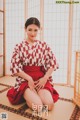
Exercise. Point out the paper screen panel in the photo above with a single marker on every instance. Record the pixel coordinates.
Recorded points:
(1, 44)
(75, 38)
(1, 4)
(1, 22)
(14, 27)
(56, 35)
(1, 66)
(34, 10)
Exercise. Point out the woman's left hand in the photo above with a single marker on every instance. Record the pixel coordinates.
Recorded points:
(40, 83)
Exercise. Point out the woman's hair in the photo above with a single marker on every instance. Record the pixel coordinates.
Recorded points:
(32, 20)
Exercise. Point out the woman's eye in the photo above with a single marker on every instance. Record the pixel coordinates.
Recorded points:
(36, 30)
(30, 30)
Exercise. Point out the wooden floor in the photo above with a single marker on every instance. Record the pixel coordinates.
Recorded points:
(64, 108)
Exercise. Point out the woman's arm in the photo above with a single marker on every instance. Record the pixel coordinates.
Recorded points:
(48, 73)
(42, 81)
(23, 75)
(28, 78)
(17, 67)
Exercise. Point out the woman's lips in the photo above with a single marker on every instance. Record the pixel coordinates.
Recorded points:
(32, 36)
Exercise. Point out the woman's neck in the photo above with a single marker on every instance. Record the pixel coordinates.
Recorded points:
(30, 41)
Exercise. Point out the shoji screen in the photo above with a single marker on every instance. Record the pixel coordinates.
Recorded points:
(15, 20)
(34, 10)
(1, 37)
(75, 37)
(56, 18)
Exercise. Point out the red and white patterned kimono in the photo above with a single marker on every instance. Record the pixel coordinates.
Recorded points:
(34, 60)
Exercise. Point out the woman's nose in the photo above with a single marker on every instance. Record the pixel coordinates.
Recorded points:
(32, 33)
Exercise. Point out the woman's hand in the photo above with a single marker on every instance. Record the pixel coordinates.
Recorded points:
(39, 84)
(31, 84)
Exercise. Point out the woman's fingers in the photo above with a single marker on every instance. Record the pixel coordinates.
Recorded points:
(38, 87)
(36, 82)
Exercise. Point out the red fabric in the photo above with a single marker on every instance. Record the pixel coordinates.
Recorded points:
(15, 96)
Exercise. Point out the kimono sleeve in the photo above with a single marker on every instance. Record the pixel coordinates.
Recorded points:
(16, 62)
(50, 59)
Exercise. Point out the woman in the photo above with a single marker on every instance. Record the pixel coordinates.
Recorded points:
(33, 63)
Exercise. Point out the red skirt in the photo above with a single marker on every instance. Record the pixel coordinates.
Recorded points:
(15, 95)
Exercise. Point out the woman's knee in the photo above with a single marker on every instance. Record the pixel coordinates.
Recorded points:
(37, 105)
(46, 99)
(35, 101)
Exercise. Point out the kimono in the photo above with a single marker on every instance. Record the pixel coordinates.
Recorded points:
(35, 60)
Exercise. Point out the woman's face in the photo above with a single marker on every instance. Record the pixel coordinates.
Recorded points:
(32, 31)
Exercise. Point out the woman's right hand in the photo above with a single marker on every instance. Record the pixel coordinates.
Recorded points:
(31, 83)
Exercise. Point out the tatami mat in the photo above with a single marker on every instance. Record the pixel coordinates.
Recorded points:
(65, 92)
(64, 109)
(2, 87)
(8, 80)
(13, 116)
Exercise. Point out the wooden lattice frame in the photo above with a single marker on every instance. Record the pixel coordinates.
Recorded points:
(76, 98)
(3, 34)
